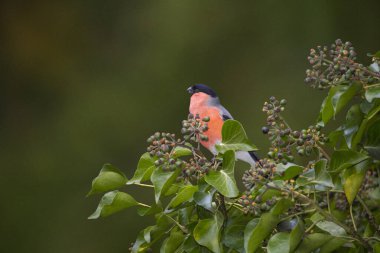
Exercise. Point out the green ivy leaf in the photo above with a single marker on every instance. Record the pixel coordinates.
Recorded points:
(162, 180)
(354, 118)
(204, 199)
(147, 233)
(372, 140)
(372, 93)
(144, 169)
(113, 202)
(268, 194)
(306, 178)
(109, 178)
(171, 244)
(281, 206)
(332, 245)
(174, 188)
(335, 139)
(233, 232)
(181, 151)
(312, 242)
(234, 138)
(354, 177)
(322, 177)
(145, 210)
(368, 119)
(279, 243)
(185, 194)
(163, 223)
(342, 159)
(258, 229)
(250, 228)
(376, 247)
(185, 215)
(207, 232)
(191, 246)
(224, 180)
(140, 244)
(337, 98)
(327, 226)
(296, 235)
(289, 170)
(376, 55)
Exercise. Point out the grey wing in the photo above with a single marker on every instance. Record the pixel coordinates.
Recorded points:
(224, 113)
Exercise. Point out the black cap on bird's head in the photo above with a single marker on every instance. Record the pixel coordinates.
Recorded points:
(202, 88)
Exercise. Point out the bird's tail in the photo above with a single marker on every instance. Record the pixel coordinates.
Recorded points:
(248, 157)
(254, 156)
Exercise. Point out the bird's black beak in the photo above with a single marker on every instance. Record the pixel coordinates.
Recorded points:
(190, 90)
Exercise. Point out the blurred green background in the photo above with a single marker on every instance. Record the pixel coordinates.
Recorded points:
(86, 82)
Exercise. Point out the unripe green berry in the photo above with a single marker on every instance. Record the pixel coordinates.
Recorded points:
(206, 119)
(204, 138)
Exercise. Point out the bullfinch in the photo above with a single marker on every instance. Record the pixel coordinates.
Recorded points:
(205, 102)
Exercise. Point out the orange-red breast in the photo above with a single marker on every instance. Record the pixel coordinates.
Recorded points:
(205, 102)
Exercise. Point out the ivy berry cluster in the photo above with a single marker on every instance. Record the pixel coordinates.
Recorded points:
(194, 127)
(264, 171)
(255, 206)
(283, 138)
(195, 169)
(308, 139)
(163, 147)
(336, 64)
(278, 131)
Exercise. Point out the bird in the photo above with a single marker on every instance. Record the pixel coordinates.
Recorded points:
(205, 102)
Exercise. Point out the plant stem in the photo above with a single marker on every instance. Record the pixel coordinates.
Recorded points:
(311, 227)
(144, 185)
(371, 86)
(328, 200)
(223, 208)
(372, 238)
(297, 214)
(142, 204)
(160, 236)
(332, 218)
(323, 152)
(352, 218)
(196, 152)
(371, 218)
(327, 215)
(371, 73)
(236, 206)
(184, 229)
(284, 121)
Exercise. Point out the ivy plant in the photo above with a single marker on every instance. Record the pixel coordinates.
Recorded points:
(314, 191)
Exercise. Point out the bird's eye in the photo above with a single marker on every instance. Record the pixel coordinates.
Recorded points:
(196, 90)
